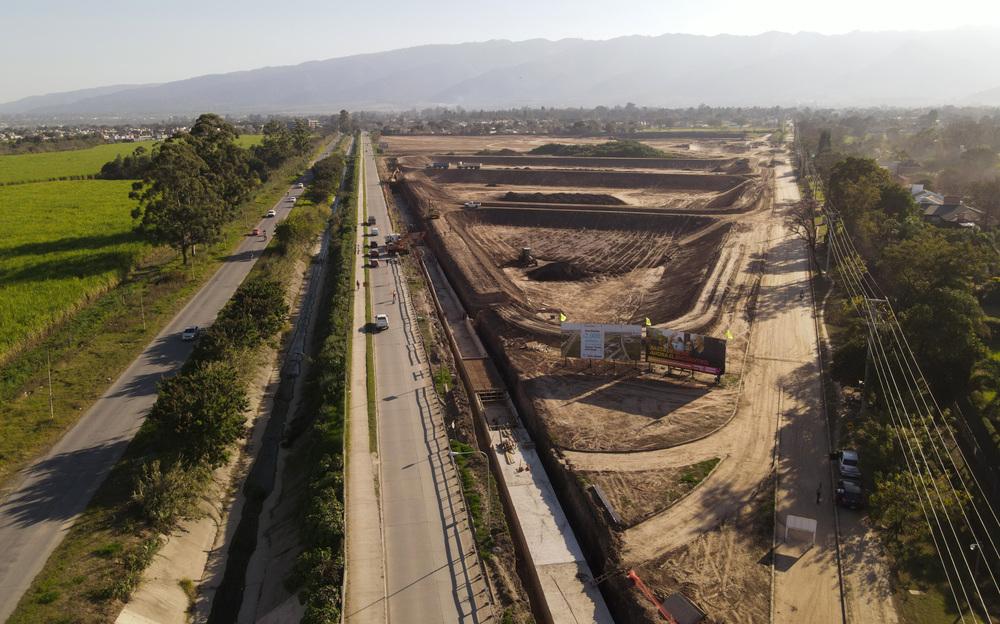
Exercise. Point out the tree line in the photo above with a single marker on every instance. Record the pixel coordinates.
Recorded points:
(935, 278)
(193, 183)
(937, 281)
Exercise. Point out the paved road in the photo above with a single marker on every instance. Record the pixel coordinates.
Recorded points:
(432, 573)
(56, 488)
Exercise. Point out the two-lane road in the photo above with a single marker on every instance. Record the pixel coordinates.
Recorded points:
(432, 573)
(55, 489)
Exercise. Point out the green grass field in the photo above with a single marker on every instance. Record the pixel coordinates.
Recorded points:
(64, 242)
(50, 165)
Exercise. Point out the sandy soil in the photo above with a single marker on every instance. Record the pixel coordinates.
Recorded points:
(724, 571)
(644, 411)
(636, 496)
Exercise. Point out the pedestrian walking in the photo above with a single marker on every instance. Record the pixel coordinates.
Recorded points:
(819, 493)
(394, 296)
(357, 285)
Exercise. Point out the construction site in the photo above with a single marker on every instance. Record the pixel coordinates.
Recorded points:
(658, 469)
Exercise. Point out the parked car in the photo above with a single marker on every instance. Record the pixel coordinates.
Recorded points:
(381, 322)
(373, 263)
(271, 213)
(190, 333)
(848, 464)
(373, 231)
(850, 494)
(371, 220)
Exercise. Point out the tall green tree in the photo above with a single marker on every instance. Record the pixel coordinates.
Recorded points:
(200, 413)
(179, 204)
(300, 136)
(344, 122)
(214, 140)
(276, 145)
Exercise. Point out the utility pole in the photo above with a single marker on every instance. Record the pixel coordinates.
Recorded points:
(48, 367)
(874, 313)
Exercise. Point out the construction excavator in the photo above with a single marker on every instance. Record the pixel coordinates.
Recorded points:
(526, 259)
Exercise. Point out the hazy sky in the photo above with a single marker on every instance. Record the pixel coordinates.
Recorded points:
(59, 45)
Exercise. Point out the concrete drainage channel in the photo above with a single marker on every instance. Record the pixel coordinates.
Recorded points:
(229, 596)
(552, 565)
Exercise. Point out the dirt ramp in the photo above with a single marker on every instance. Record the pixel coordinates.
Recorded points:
(728, 165)
(583, 178)
(596, 199)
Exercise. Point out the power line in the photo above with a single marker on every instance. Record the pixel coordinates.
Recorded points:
(861, 285)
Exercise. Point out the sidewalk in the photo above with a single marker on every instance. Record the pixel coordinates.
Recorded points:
(364, 596)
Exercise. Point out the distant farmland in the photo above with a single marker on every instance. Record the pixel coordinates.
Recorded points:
(51, 165)
(63, 243)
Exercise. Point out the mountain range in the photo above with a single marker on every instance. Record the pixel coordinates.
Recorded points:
(674, 70)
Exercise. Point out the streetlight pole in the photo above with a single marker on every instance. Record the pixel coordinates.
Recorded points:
(489, 483)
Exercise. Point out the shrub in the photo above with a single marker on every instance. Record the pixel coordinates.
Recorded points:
(199, 413)
(164, 495)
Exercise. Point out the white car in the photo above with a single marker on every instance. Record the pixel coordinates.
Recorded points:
(381, 322)
(271, 213)
(300, 185)
(190, 333)
(290, 200)
(473, 204)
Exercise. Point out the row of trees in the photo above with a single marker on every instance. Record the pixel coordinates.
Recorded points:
(319, 569)
(326, 175)
(199, 414)
(194, 183)
(935, 278)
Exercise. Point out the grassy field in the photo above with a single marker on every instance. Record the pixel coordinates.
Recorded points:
(51, 165)
(65, 243)
(96, 343)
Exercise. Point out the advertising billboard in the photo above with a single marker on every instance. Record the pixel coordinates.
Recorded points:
(594, 341)
(686, 350)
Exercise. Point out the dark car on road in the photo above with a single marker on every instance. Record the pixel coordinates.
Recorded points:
(850, 494)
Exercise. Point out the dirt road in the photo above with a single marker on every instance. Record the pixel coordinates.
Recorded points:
(781, 390)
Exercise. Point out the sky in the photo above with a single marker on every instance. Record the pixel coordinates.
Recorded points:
(60, 45)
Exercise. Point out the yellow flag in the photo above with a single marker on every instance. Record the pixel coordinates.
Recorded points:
(649, 323)
(729, 335)
(562, 317)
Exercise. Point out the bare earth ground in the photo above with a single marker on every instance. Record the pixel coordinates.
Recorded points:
(637, 495)
(713, 274)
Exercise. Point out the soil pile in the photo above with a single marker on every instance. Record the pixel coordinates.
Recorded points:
(558, 272)
(598, 199)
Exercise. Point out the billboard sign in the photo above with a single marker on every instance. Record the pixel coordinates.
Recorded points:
(593, 341)
(686, 350)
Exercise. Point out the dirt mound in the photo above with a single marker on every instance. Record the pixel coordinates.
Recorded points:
(558, 272)
(565, 198)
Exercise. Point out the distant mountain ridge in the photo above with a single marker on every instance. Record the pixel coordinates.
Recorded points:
(856, 69)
